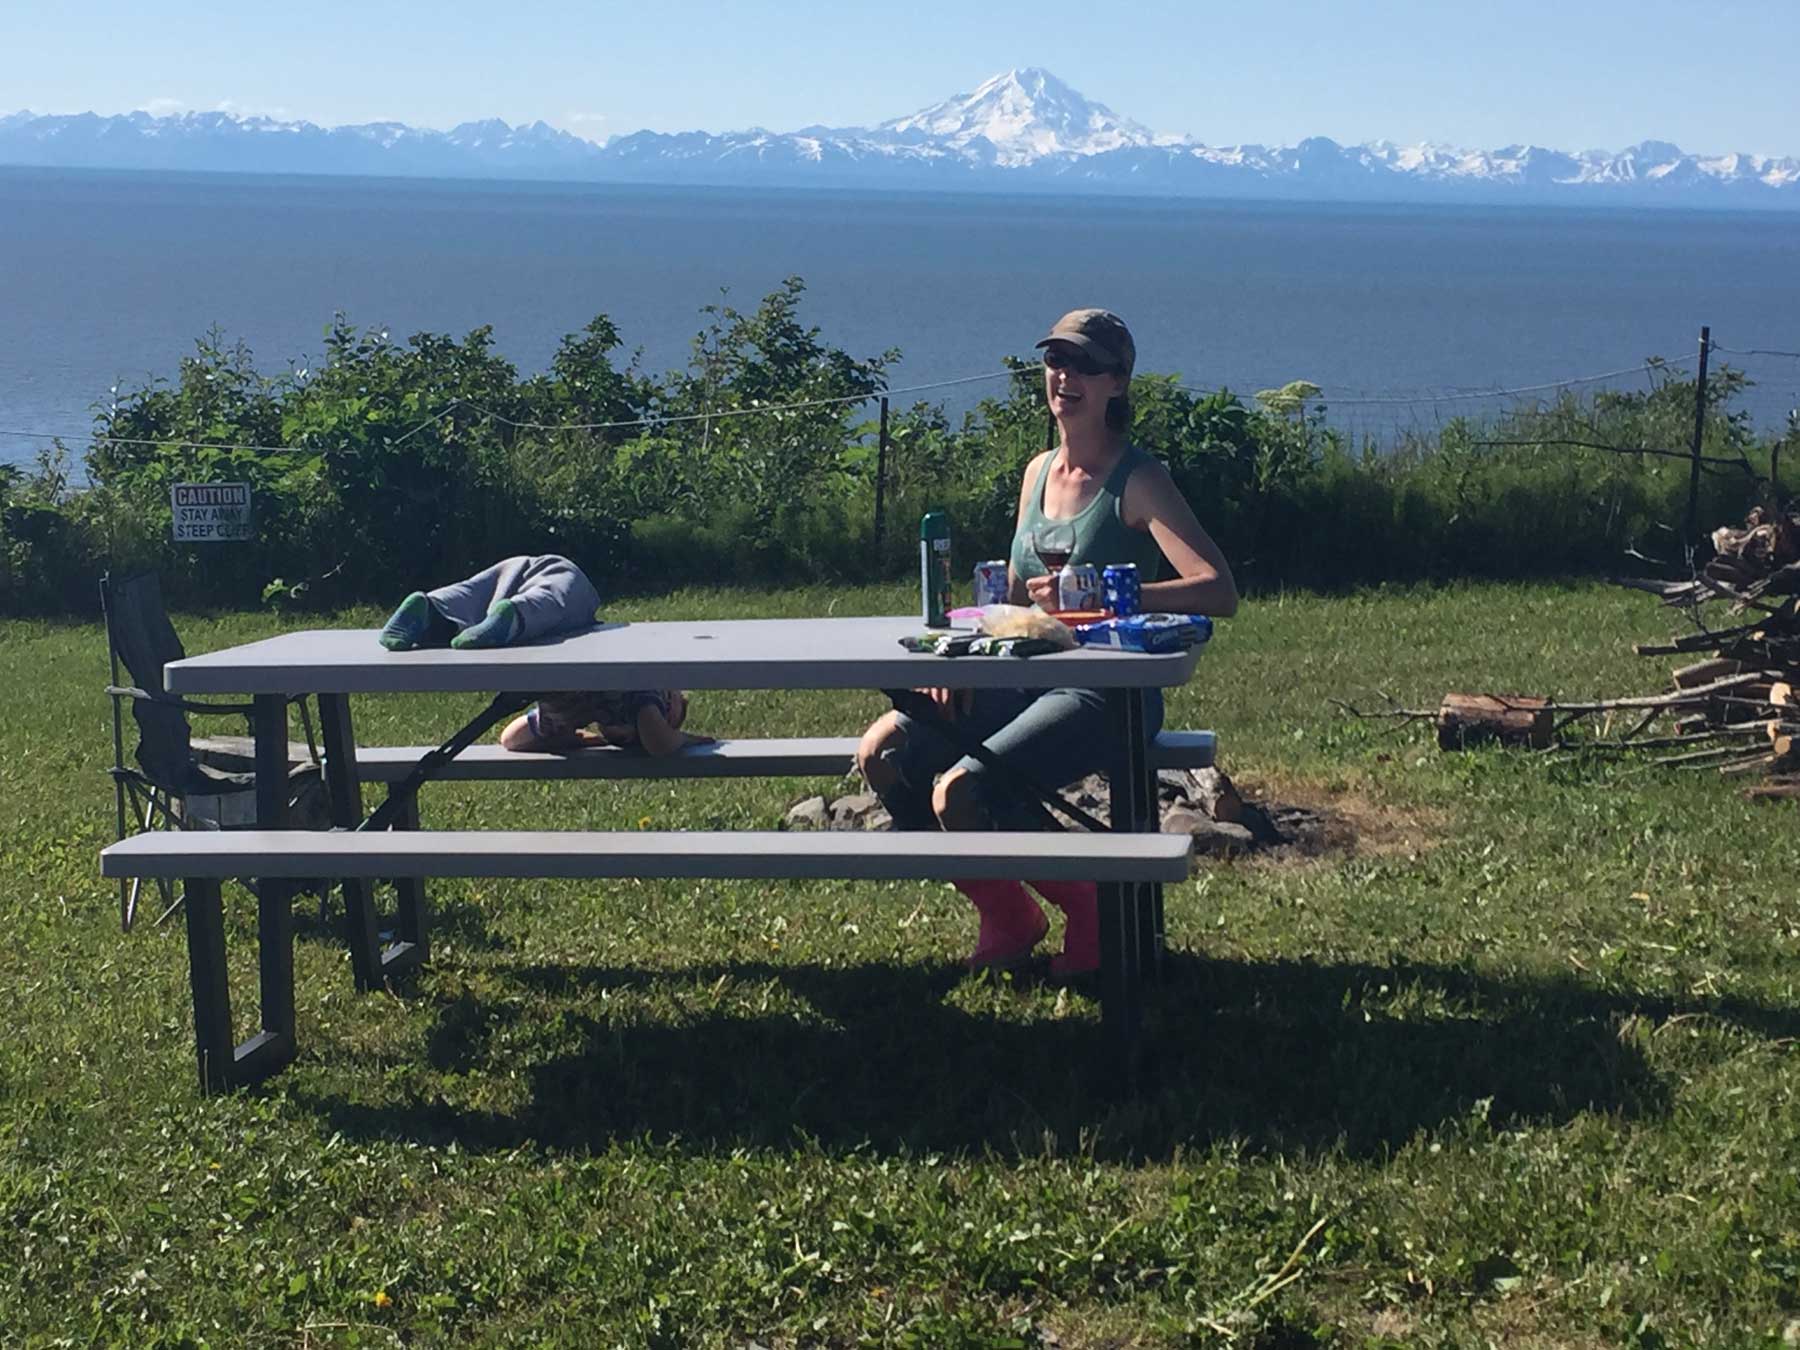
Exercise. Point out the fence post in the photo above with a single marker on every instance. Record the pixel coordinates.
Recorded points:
(1693, 503)
(881, 452)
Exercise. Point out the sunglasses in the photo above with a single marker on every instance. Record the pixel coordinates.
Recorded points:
(1073, 358)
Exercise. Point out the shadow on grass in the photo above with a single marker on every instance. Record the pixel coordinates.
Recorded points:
(459, 922)
(1279, 1056)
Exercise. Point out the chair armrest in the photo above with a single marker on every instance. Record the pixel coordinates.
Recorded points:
(186, 705)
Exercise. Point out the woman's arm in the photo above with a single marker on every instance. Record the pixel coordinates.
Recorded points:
(1203, 582)
(1040, 591)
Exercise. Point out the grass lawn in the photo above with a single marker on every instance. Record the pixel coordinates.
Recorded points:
(1522, 1070)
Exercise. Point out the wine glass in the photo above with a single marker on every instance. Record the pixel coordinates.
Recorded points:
(1054, 544)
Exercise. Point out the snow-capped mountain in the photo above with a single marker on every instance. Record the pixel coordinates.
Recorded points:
(1024, 130)
(1024, 116)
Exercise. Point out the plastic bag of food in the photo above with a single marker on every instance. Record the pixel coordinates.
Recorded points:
(1026, 621)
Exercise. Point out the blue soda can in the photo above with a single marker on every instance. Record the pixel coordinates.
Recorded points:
(1120, 585)
(991, 587)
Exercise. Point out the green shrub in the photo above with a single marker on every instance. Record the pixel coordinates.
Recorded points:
(399, 465)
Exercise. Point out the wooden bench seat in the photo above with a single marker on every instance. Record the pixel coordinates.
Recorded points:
(1127, 865)
(800, 757)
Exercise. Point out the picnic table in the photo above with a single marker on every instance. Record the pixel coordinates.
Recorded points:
(1130, 861)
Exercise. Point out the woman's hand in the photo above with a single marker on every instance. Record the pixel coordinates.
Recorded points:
(1041, 591)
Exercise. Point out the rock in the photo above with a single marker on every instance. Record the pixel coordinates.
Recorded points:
(811, 814)
(1214, 794)
(1174, 785)
(1201, 803)
(1183, 820)
(1090, 793)
(1222, 839)
(850, 813)
(1214, 837)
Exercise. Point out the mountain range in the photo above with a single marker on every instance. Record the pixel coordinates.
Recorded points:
(1024, 131)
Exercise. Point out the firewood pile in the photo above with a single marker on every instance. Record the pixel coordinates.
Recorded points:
(1733, 706)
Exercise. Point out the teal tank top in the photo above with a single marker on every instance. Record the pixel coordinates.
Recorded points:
(1101, 535)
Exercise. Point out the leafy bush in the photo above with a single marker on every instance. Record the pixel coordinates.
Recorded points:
(399, 465)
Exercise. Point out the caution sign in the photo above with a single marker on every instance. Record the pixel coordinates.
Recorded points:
(211, 513)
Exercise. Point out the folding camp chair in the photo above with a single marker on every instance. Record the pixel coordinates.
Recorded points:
(171, 786)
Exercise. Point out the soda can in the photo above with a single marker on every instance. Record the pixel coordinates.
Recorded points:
(1119, 584)
(1078, 586)
(991, 587)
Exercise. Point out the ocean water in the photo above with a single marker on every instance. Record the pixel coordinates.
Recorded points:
(1404, 314)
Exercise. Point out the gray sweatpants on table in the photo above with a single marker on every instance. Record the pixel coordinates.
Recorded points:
(550, 594)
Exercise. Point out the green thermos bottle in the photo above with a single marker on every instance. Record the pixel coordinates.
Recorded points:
(934, 569)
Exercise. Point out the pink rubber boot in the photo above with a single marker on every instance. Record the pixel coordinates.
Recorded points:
(1080, 903)
(1011, 923)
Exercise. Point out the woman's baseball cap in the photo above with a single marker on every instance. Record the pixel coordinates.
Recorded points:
(1098, 332)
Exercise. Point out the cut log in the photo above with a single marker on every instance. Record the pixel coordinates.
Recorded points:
(1781, 694)
(1705, 672)
(1693, 642)
(1748, 764)
(1472, 719)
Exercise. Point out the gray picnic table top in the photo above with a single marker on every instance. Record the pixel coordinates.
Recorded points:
(817, 653)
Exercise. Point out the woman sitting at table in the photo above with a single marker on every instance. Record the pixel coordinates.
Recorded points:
(1114, 504)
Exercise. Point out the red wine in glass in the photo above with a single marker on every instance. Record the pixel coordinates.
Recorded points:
(1054, 545)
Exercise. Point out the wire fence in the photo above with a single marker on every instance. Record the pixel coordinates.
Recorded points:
(1431, 407)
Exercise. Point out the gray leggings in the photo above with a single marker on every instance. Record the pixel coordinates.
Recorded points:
(1053, 737)
(550, 594)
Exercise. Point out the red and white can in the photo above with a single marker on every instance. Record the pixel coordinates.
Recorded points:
(991, 584)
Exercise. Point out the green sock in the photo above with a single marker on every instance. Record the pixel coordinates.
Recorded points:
(502, 626)
(410, 625)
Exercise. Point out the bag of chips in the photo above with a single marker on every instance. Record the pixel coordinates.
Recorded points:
(1147, 632)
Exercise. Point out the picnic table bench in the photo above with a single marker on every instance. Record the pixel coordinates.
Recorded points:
(1130, 861)
(791, 757)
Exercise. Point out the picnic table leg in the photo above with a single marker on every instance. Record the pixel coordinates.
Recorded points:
(414, 912)
(273, 1046)
(371, 961)
(343, 788)
(1140, 815)
(222, 1064)
(206, 975)
(1129, 935)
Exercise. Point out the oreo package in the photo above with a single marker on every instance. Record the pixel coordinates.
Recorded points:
(1146, 632)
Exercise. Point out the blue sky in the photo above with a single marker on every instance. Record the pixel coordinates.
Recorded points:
(1713, 76)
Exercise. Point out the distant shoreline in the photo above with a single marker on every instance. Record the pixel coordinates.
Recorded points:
(1499, 200)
